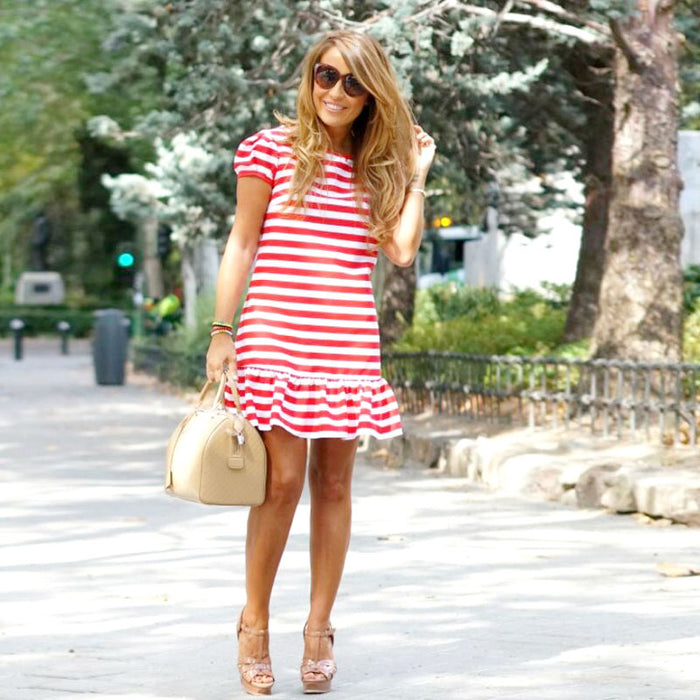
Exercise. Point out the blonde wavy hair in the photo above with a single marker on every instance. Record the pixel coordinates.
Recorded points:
(384, 145)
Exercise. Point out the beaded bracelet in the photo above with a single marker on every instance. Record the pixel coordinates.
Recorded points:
(218, 331)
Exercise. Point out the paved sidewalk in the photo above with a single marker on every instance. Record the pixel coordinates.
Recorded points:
(110, 589)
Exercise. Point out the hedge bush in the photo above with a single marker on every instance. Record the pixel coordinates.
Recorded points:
(40, 320)
(443, 302)
(184, 369)
(476, 321)
(691, 335)
(179, 356)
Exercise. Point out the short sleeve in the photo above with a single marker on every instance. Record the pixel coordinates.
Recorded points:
(257, 156)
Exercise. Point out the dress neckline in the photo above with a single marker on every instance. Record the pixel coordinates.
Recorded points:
(330, 151)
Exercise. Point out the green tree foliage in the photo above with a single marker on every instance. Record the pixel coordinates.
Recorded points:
(46, 49)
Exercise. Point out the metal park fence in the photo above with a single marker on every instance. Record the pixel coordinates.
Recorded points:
(612, 398)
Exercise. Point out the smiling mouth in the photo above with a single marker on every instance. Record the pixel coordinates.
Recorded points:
(332, 107)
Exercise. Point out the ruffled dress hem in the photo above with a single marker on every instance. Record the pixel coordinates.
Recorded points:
(317, 406)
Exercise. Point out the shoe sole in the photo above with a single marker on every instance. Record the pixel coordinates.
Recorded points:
(254, 690)
(317, 688)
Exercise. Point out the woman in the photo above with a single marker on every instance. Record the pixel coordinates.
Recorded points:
(316, 198)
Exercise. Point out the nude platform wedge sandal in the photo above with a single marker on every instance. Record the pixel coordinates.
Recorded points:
(254, 667)
(320, 667)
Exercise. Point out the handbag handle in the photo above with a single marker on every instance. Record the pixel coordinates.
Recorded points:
(218, 398)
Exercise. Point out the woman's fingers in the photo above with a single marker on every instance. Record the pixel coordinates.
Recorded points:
(426, 149)
(229, 366)
(221, 357)
(421, 134)
(212, 374)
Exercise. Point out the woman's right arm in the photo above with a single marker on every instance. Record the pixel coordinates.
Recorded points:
(252, 197)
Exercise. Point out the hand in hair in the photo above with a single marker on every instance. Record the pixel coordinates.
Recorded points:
(426, 152)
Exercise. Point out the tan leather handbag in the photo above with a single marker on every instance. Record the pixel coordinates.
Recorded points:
(216, 456)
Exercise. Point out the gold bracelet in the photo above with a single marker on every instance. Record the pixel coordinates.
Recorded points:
(222, 324)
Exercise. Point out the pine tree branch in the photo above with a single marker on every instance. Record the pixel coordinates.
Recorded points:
(592, 34)
(554, 9)
(550, 26)
(433, 9)
(507, 7)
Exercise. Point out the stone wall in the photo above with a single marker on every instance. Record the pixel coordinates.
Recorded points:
(568, 467)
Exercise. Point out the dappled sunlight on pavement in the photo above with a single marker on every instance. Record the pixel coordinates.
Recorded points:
(111, 589)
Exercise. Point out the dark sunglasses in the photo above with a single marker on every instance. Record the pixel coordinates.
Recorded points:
(326, 77)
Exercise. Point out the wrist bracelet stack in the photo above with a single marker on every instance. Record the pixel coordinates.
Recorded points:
(218, 327)
(416, 185)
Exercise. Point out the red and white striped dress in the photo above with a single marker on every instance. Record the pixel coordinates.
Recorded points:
(307, 344)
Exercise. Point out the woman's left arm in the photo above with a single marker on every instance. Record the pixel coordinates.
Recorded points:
(403, 245)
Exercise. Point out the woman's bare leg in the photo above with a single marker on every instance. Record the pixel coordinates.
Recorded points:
(330, 476)
(268, 528)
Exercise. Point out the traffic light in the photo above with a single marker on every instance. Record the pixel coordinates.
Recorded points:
(125, 262)
(164, 243)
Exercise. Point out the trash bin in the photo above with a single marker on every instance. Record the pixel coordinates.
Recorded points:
(109, 346)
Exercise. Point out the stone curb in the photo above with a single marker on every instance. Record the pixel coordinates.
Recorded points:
(556, 465)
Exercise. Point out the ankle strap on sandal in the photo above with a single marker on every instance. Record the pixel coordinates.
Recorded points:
(249, 630)
(328, 632)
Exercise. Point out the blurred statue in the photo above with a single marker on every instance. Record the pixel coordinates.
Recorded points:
(41, 235)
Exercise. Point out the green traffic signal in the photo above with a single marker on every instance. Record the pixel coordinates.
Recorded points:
(125, 262)
(126, 259)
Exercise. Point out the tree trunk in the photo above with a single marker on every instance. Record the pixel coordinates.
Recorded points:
(199, 268)
(206, 265)
(592, 75)
(189, 286)
(396, 290)
(641, 291)
(152, 268)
